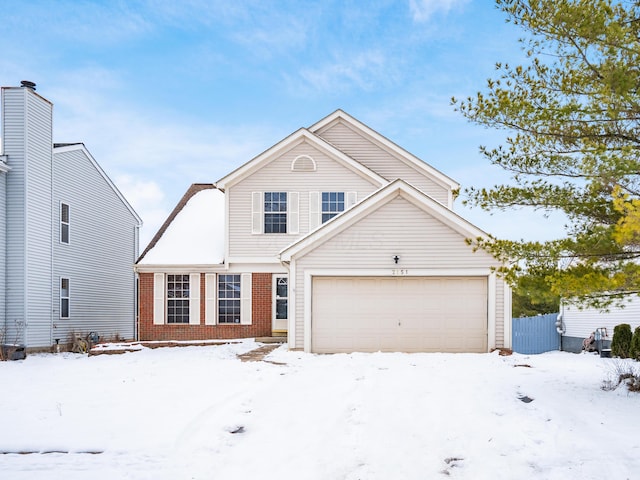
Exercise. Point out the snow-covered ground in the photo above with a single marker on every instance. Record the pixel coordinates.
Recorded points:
(200, 413)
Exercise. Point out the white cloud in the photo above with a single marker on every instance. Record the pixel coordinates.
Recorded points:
(423, 10)
(365, 71)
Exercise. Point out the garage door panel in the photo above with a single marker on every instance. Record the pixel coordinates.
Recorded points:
(408, 314)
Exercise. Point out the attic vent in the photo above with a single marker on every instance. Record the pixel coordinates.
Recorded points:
(28, 84)
(303, 163)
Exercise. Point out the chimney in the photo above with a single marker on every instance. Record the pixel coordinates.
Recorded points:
(28, 84)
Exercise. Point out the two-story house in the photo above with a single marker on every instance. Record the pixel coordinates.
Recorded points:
(336, 236)
(69, 237)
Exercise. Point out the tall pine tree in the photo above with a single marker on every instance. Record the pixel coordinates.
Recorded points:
(572, 113)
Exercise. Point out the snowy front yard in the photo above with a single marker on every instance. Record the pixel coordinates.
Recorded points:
(200, 413)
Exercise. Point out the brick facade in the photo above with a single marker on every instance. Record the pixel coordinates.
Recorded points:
(261, 313)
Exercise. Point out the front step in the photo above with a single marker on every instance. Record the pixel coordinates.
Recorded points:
(273, 339)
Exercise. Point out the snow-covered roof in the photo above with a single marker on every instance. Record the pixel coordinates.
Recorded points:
(194, 234)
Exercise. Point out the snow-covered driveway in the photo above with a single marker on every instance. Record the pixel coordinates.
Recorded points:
(200, 413)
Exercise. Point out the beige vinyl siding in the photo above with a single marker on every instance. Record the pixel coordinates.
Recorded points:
(500, 313)
(330, 175)
(380, 160)
(396, 228)
(101, 252)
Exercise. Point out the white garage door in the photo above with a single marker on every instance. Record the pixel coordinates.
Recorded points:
(408, 314)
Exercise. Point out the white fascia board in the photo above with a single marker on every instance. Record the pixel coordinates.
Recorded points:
(82, 148)
(177, 268)
(370, 204)
(384, 142)
(291, 141)
(256, 265)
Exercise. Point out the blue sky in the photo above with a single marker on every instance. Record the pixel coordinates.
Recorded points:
(166, 93)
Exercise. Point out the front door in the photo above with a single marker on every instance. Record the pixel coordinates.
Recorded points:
(280, 303)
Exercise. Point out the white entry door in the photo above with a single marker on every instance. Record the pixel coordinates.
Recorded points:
(280, 313)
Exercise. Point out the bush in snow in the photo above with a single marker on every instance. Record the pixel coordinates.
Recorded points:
(621, 342)
(623, 371)
(634, 351)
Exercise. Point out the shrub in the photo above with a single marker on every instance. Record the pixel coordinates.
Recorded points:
(634, 351)
(622, 372)
(621, 342)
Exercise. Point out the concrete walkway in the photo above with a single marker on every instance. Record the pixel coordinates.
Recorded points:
(258, 354)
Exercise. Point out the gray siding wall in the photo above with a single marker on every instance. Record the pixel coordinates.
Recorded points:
(27, 142)
(100, 255)
(380, 160)
(397, 228)
(3, 242)
(330, 175)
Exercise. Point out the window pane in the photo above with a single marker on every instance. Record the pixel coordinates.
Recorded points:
(275, 223)
(64, 233)
(332, 204)
(177, 298)
(64, 298)
(275, 216)
(64, 213)
(281, 309)
(228, 298)
(64, 287)
(282, 288)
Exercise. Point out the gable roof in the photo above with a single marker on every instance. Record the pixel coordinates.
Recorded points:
(372, 203)
(383, 142)
(289, 142)
(70, 147)
(194, 231)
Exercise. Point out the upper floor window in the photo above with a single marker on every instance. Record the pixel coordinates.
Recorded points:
(332, 204)
(275, 212)
(177, 298)
(64, 223)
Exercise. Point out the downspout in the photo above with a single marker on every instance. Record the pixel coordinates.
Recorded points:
(559, 324)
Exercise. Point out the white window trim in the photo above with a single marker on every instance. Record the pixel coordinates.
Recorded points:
(303, 158)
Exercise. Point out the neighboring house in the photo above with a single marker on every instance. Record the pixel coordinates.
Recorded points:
(578, 324)
(335, 237)
(69, 236)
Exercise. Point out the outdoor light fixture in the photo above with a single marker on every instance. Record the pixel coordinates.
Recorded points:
(396, 258)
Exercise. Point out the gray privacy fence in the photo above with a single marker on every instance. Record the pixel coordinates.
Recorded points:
(535, 334)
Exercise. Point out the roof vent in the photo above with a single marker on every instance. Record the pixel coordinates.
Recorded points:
(28, 84)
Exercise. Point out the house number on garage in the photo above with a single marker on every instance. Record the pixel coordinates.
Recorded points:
(399, 272)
